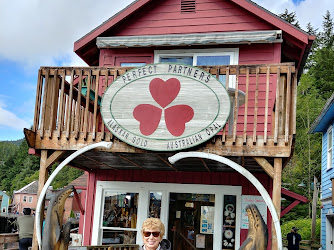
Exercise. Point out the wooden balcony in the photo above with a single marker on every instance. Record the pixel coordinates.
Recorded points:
(67, 112)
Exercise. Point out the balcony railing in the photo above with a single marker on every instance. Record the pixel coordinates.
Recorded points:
(67, 111)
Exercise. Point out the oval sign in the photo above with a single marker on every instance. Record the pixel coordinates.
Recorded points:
(165, 107)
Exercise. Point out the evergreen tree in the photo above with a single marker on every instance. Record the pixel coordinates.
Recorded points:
(17, 168)
(290, 18)
(314, 32)
(327, 36)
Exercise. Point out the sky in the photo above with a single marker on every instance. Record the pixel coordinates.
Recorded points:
(39, 33)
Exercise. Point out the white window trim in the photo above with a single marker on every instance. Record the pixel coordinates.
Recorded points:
(24, 198)
(329, 150)
(30, 199)
(232, 52)
(143, 188)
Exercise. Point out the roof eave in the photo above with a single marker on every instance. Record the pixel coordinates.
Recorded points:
(274, 20)
(322, 114)
(115, 19)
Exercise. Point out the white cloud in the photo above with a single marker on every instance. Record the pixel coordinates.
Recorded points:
(306, 11)
(9, 119)
(42, 32)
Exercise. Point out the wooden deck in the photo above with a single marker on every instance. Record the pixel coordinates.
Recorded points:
(67, 115)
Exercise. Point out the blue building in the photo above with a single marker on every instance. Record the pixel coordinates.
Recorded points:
(324, 124)
(4, 203)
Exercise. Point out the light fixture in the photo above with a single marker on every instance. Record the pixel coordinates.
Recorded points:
(302, 184)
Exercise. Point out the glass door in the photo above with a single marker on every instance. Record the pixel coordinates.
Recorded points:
(191, 221)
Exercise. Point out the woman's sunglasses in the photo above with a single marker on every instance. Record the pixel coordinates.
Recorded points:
(148, 234)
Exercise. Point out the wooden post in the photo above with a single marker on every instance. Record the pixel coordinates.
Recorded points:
(314, 208)
(45, 164)
(43, 176)
(276, 196)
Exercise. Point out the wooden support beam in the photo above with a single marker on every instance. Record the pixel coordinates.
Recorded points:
(265, 165)
(166, 162)
(205, 165)
(98, 162)
(53, 158)
(133, 163)
(45, 163)
(288, 208)
(76, 196)
(276, 196)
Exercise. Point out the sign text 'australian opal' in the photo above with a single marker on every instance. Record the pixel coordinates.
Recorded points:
(165, 107)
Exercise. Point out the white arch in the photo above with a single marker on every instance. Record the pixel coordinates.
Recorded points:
(52, 176)
(245, 173)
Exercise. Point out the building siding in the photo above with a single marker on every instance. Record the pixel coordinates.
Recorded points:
(4, 203)
(326, 184)
(210, 16)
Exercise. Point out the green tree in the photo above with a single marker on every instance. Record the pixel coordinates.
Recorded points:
(65, 176)
(17, 168)
(306, 161)
(327, 36)
(290, 17)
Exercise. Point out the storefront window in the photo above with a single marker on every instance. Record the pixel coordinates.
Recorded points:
(192, 214)
(155, 204)
(229, 217)
(120, 212)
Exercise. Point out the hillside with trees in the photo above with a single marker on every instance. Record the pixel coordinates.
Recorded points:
(18, 168)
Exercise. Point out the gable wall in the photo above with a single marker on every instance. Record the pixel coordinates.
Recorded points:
(165, 17)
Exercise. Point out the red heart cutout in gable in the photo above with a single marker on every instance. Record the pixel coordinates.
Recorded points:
(176, 118)
(148, 116)
(164, 92)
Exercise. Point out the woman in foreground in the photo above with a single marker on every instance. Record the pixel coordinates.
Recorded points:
(152, 232)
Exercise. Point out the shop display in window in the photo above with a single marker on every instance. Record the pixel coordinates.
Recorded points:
(118, 237)
(155, 205)
(120, 210)
(229, 217)
(207, 219)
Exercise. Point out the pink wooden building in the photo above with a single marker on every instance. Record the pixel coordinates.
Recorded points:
(257, 56)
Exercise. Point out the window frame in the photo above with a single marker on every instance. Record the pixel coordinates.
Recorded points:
(30, 199)
(330, 149)
(24, 198)
(232, 52)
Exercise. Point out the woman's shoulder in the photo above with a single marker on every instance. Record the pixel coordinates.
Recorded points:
(165, 245)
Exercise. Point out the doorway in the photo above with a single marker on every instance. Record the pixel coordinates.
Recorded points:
(191, 220)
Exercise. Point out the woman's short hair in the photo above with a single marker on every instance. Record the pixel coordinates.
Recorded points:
(152, 224)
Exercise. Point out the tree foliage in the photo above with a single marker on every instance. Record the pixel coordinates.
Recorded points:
(304, 226)
(290, 17)
(19, 168)
(314, 88)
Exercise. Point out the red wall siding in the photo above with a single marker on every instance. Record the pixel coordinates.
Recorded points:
(165, 17)
(223, 178)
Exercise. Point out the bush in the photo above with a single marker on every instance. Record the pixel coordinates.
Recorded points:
(304, 226)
